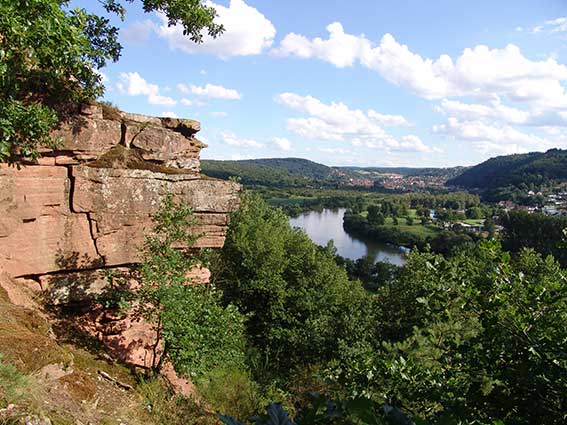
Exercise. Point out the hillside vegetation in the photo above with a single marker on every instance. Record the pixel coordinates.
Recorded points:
(532, 169)
(274, 172)
(298, 172)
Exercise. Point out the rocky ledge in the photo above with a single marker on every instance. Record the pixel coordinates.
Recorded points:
(87, 206)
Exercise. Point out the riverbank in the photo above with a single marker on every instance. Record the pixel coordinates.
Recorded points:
(325, 225)
(408, 236)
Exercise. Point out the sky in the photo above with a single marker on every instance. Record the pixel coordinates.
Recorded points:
(355, 83)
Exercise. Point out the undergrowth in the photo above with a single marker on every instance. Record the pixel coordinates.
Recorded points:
(166, 408)
(231, 391)
(13, 383)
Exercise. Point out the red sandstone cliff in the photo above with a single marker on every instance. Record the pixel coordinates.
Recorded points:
(86, 207)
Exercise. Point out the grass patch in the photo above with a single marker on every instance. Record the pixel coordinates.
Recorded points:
(25, 340)
(13, 383)
(110, 111)
(473, 222)
(417, 229)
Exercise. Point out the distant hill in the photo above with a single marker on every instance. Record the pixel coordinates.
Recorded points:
(298, 172)
(526, 170)
(269, 172)
(405, 171)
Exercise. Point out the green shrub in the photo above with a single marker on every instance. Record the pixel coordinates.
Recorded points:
(232, 391)
(198, 333)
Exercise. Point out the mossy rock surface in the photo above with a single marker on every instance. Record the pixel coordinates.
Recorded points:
(121, 157)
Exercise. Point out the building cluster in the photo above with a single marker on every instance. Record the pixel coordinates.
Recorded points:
(410, 183)
(360, 183)
(399, 182)
(553, 204)
(556, 204)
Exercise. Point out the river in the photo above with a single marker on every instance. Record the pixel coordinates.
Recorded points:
(328, 224)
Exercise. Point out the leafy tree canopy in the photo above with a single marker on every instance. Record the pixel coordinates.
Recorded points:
(197, 334)
(49, 57)
(302, 308)
(475, 338)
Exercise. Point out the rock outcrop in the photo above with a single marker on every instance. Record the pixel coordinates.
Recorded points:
(84, 209)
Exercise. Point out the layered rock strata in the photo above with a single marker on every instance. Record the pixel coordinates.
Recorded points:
(85, 208)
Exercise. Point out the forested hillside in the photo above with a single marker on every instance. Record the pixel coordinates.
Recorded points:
(269, 172)
(278, 172)
(451, 172)
(535, 169)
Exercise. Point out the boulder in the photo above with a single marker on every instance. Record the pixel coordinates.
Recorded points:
(88, 136)
(182, 125)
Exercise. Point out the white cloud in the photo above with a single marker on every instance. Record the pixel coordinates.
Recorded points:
(169, 114)
(413, 143)
(389, 120)
(219, 114)
(492, 149)
(397, 64)
(552, 130)
(156, 99)
(210, 91)
(337, 122)
(136, 85)
(232, 140)
(133, 84)
(552, 26)
(282, 143)
(500, 88)
(494, 111)
(491, 138)
(480, 71)
(186, 102)
(340, 49)
(247, 32)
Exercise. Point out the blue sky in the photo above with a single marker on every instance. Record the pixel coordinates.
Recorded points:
(368, 83)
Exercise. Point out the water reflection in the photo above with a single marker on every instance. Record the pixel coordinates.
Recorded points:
(322, 226)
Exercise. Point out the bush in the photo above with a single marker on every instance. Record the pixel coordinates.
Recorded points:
(232, 391)
(198, 333)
